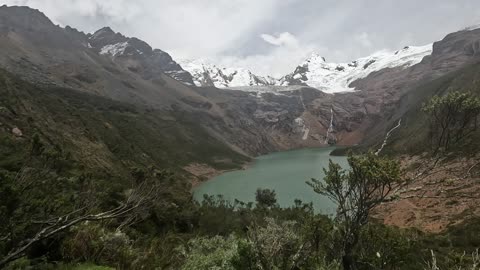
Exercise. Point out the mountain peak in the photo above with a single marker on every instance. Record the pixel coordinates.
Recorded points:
(207, 74)
(145, 59)
(104, 30)
(23, 16)
(316, 57)
(105, 33)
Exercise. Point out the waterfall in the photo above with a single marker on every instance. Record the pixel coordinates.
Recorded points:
(330, 128)
(387, 136)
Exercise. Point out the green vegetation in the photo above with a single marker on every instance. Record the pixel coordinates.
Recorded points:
(453, 118)
(356, 192)
(457, 93)
(96, 184)
(265, 197)
(217, 234)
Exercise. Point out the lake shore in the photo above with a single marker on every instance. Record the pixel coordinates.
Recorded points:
(202, 172)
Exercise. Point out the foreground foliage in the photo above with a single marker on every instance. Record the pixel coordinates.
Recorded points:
(453, 118)
(356, 192)
(81, 156)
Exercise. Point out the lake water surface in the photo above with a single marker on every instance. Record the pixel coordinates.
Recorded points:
(285, 172)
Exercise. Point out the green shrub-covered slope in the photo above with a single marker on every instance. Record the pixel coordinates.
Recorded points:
(102, 135)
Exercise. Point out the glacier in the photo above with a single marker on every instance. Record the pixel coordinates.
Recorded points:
(314, 72)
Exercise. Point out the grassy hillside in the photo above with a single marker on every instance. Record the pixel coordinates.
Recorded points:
(412, 137)
(102, 135)
(62, 150)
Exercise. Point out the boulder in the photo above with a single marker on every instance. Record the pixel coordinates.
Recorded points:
(17, 132)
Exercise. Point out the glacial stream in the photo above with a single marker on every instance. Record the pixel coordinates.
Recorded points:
(285, 172)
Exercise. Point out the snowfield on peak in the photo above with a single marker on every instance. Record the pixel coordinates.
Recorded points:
(206, 74)
(114, 49)
(314, 72)
(337, 77)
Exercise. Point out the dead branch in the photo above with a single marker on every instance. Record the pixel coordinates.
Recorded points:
(143, 196)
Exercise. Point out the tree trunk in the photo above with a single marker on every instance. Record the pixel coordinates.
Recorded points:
(348, 262)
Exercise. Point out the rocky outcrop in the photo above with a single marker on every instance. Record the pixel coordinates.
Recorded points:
(17, 132)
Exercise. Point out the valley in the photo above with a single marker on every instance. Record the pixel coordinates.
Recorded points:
(108, 145)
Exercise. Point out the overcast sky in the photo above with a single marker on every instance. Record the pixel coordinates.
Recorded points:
(267, 36)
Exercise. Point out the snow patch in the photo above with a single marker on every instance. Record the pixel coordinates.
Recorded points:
(114, 49)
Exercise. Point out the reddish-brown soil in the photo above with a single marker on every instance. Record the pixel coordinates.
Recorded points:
(447, 194)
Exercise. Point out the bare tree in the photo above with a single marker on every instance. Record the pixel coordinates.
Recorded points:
(474, 260)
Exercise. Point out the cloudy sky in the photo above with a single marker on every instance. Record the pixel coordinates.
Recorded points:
(267, 36)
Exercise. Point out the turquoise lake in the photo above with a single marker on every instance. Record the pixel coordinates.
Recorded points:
(285, 172)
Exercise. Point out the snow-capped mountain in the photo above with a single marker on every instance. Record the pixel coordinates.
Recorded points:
(206, 74)
(315, 72)
(336, 77)
(136, 55)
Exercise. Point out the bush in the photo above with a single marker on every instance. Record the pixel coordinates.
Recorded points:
(265, 197)
(92, 243)
(216, 253)
(453, 118)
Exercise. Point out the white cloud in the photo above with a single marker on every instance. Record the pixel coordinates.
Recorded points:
(190, 28)
(364, 40)
(223, 30)
(60, 11)
(287, 52)
(283, 39)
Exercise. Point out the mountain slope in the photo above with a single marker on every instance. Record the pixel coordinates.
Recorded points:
(413, 137)
(101, 134)
(38, 51)
(137, 55)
